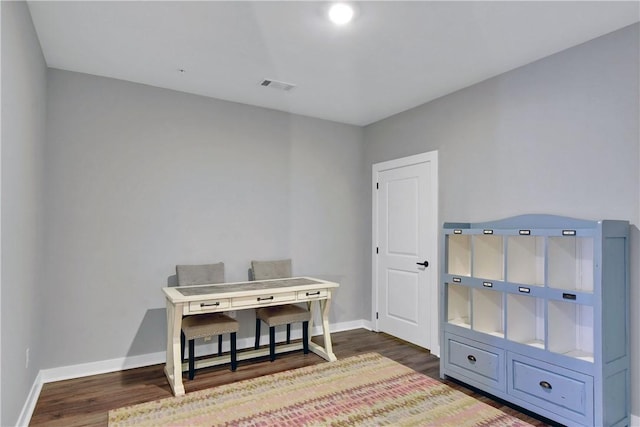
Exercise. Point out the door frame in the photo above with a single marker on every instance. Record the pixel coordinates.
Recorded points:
(434, 263)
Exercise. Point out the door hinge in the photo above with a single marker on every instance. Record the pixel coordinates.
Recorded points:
(376, 314)
(377, 185)
(376, 250)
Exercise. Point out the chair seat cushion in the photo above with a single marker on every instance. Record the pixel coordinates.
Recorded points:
(283, 314)
(206, 325)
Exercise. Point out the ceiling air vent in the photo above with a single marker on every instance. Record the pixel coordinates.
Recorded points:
(275, 84)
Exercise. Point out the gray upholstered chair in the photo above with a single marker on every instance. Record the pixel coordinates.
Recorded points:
(209, 324)
(280, 314)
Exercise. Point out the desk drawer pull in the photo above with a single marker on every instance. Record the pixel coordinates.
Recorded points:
(471, 358)
(265, 299)
(309, 294)
(545, 385)
(206, 306)
(215, 304)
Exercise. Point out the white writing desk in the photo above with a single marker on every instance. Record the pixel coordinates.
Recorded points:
(199, 299)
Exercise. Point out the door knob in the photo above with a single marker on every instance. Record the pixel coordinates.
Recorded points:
(424, 264)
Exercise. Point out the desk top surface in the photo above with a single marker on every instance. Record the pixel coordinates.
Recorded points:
(196, 292)
(244, 286)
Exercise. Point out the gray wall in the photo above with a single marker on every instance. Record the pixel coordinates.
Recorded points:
(139, 179)
(558, 136)
(23, 136)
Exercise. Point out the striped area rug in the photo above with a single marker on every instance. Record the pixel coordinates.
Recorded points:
(365, 390)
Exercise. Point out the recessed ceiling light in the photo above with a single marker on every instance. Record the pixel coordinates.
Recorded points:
(340, 13)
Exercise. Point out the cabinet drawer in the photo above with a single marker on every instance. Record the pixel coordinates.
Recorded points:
(476, 361)
(208, 305)
(558, 390)
(311, 295)
(266, 299)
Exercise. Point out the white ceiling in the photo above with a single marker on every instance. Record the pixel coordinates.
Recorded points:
(394, 56)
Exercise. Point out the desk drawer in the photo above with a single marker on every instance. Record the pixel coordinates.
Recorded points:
(311, 295)
(208, 305)
(266, 299)
(558, 390)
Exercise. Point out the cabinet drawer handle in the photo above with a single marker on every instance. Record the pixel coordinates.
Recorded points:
(545, 385)
(313, 294)
(569, 296)
(265, 299)
(471, 358)
(214, 304)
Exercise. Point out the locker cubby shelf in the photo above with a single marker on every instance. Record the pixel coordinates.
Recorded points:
(543, 295)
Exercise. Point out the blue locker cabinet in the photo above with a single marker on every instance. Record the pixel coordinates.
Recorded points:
(534, 310)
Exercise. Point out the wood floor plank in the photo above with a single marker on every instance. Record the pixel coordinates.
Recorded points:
(87, 401)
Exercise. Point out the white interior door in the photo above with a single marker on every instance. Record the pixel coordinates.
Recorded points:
(405, 249)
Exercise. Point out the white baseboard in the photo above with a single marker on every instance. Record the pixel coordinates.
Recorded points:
(138, 361)
(635, 421)
(30, 403)
(101, 367)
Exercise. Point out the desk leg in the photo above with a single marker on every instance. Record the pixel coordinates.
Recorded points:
(325, 352)
(173, 367)
(324, 304)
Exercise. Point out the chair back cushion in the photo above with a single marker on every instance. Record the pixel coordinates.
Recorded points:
(265, 270)
(200, 274)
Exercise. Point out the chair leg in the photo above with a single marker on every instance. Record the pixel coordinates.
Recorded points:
(288, 333)
(305, 337)
(182, 339)
(257, 334)
(234, 359)
(272, 343)
(219, 345)
(192, 359)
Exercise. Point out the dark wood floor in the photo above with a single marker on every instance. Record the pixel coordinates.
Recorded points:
(87, 401)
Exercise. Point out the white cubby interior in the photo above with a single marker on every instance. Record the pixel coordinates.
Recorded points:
(525, 260)
(488, 257)
(459, 305)
(570, 263)
(571, 329)
(459, 255)
(525, 320)
(487, 312)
